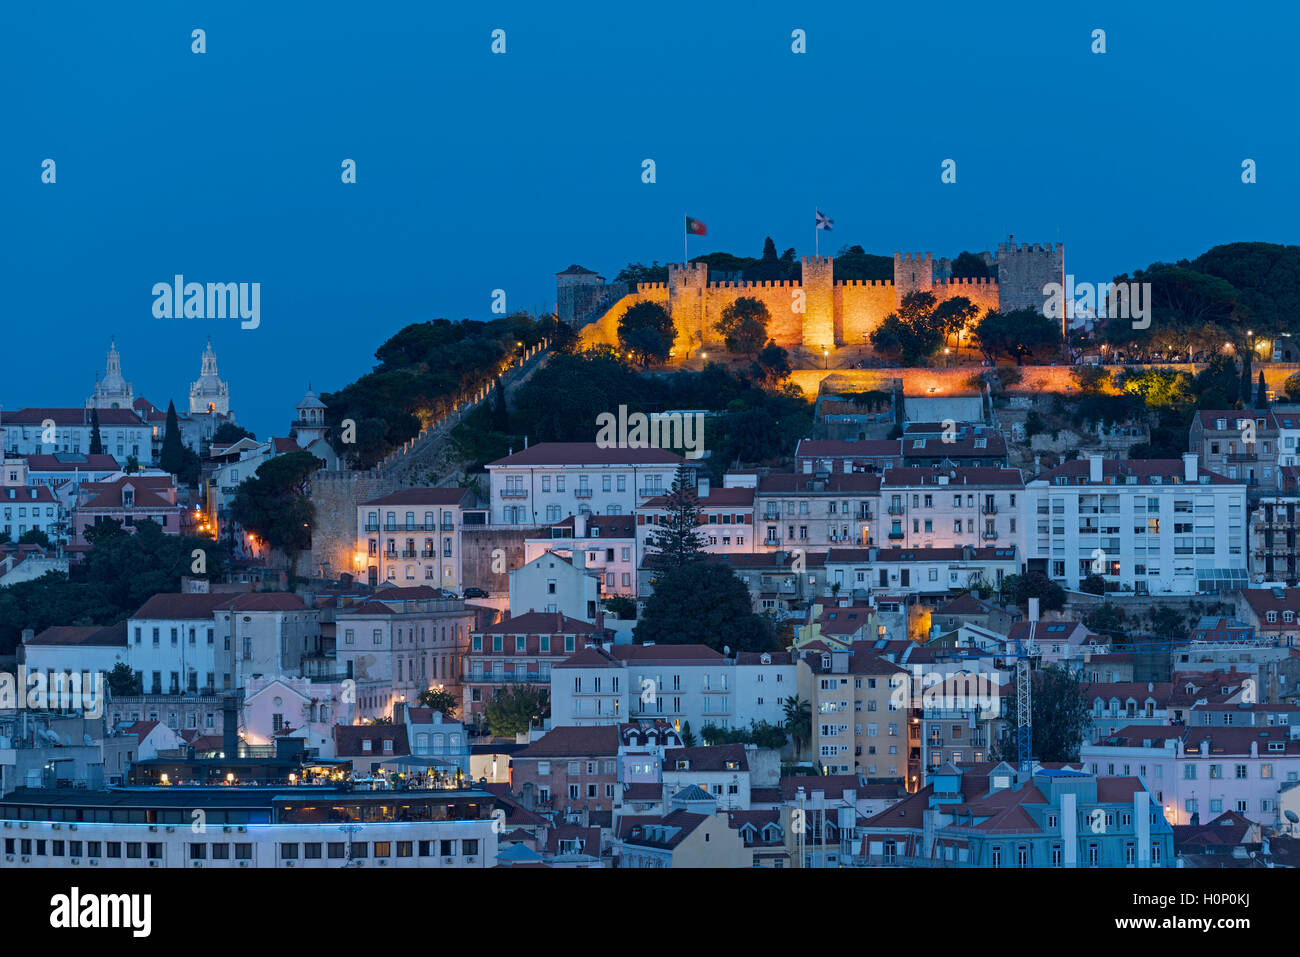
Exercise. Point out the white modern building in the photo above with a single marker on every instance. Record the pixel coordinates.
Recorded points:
(1156, 526)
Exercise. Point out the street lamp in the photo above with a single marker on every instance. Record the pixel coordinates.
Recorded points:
(826, 358)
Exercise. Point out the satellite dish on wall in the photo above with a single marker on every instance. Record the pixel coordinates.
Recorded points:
(1292, 817)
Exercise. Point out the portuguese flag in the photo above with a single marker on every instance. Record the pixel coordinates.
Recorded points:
(696, 228)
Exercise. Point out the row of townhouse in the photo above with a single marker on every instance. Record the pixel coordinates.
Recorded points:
(993, 816)
(1199, 770)
(1146, 526)
(687, 686)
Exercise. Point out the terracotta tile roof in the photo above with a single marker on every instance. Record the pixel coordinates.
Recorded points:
(92, 636)
(642, 792)
(264, 601)
(718, 497)
(1264, 600)
(180, 606)
(666, 653)
(107, 417)
(569, 741)
(348, 740)
(424, 496)
(706, 758)
(680, 824)
(71, 462)
(584, 453)
(841, 449)
(1169, 470)
(785, 483)
(541, 623)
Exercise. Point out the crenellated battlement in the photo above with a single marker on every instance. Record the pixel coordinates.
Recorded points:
(1038, 248)
(819, 311)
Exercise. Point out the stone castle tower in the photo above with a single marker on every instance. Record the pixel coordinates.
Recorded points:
(821, 312)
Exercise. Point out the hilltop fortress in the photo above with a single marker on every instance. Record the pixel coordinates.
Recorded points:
(818, 313)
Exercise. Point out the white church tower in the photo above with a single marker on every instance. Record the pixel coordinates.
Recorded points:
(112, 391)
(209, 395)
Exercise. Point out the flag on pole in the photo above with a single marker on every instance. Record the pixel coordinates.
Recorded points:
(696, 228)
(823, 222)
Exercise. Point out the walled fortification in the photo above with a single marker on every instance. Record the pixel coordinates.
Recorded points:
(821, 312)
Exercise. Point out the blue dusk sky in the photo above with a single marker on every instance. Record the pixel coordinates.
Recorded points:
(479, 171)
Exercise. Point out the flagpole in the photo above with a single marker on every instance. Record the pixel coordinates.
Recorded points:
(685, 234)
(817, 245)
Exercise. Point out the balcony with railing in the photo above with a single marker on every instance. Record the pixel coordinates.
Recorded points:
(989, 535)
(988, 508)
(897, 533)
(583, 493)
(446, 527)
(1242, 457)
(653, 491)
(408, 527)
(514, 493)
(427, 553)
(896, 509)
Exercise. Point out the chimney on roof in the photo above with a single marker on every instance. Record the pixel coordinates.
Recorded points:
(1190, 471)
(702, 487)
(1094, 469)
(1033, 609)
(579, 525)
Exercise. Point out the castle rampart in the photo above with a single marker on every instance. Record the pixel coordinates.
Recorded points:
(820, 311)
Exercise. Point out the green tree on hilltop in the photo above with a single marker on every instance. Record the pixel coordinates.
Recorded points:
(646, 331)
(744, 325)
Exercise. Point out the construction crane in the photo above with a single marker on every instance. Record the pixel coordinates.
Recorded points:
(1025, 652)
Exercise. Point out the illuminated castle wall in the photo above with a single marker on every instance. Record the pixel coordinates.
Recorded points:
(821, 312)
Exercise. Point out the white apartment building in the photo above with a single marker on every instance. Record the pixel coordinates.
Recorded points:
(172, 645)
(182, 643)
(24, 508)
(393, 654)
(816, 511)
(1154, 526)
(121, 431)
(268, 634)
(553, 583)
(609, 543)
(950, 507)
(917, 571)
(726, 519)
(412, 537)
(678, 684)
(1197, 773)
(552, 480)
